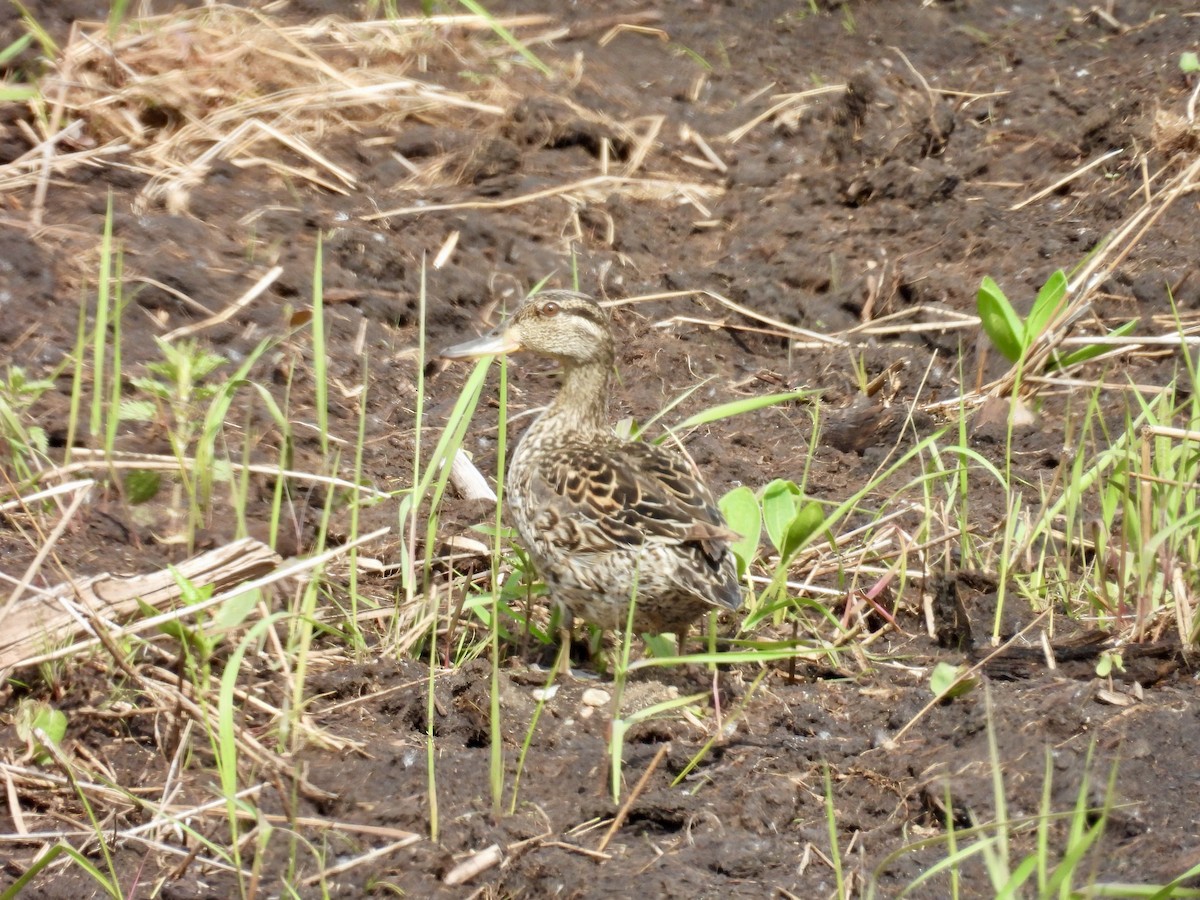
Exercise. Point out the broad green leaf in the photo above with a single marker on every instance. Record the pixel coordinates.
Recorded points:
(742, 513)
(172, 628)
(233, 611)
(1189, 62)
(626, 429)
(1000, 321)
(947, 681)
(779, 501)
(32, 715)
(1083, 354)
(52, 722)
(659, 645)
(807, 522)
(1046, 306)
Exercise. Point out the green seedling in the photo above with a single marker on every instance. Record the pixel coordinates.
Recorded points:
(1189, 62)
(1017, 854)
(26, 443)
(36, 722)
(790, 520)
(1109, 661)
(949, 682)
(176, 387)
(199, 639)
(195, 641)
(1015, 338)
(175, 390)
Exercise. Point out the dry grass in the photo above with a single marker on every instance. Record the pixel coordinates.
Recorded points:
(177, 94)
(174, 97)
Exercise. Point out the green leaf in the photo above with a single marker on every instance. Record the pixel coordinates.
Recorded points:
(53, 723)
(138, 411)
(1000, 321)
(948, 682)
(660, 645)
(151, 386)
(49, 47)
(807, 522)
(19, 45)
(1107, 662)
(742, 513)
(233, 611)
(1046, 306)
(1189, 62)
(32, 715)
(221, 471)
(1083, 354)
(790, 521)
(189, 592)
(779, 501)
(172, 628)
(17, 93)
(38, 439)
(141, 485)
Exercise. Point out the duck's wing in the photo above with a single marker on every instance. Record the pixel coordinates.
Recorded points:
(629, 494)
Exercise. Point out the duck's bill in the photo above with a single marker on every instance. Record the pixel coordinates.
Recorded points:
(502, 342)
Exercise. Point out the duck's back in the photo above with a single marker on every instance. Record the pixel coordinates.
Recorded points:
(606, 520)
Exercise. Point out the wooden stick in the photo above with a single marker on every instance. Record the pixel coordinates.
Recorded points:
(633, 795)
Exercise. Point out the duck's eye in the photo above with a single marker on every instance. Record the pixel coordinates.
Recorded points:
(550, 308)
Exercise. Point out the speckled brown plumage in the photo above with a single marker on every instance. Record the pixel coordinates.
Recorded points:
(603, 519)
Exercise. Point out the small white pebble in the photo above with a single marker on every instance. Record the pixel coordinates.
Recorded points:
(586, 712)
(543, 694)
(595, 697)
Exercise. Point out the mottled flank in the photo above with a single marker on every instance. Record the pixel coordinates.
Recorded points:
(607, 522)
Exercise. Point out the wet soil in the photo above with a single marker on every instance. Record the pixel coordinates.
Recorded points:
(894, 195)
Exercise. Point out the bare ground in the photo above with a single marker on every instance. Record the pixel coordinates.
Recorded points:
(892, 192)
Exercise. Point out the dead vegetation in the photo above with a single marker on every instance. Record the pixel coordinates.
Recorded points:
(173, 100)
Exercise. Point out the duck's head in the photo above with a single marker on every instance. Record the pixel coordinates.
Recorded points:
(571, 327)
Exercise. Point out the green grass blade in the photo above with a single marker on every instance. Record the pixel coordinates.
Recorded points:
(320, 350)
(737, 408)
(507, 36)
(16, 48)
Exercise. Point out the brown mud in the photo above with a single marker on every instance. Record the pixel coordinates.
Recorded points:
(894, 195)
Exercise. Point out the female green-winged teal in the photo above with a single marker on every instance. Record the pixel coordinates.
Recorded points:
(604, 519)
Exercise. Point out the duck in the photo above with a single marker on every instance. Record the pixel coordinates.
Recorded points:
(609, 523)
